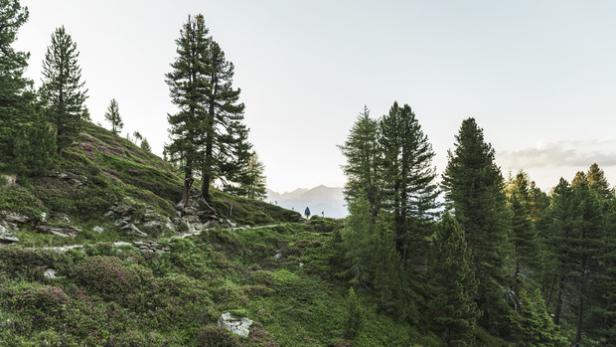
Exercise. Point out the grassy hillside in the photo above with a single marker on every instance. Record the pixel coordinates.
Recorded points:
(156, 289)
(102, 173)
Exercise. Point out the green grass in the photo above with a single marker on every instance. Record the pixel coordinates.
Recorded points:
(107, 293)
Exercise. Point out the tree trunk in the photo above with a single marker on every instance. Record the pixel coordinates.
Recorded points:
(188, 180)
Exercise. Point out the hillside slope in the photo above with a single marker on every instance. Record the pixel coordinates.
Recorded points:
(107, 188)
(137, 274)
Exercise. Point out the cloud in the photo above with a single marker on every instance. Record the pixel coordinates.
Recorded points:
(560, 154)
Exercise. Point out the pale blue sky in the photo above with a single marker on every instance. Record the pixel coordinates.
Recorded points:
(539, 76)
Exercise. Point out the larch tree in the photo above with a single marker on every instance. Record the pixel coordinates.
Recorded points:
(113, 117)
(473, 186)
(62, 92)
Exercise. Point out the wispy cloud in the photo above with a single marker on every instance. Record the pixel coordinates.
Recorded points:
(560, 154)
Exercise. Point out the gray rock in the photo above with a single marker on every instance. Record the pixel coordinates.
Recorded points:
(11, 180)
(50, 274)
(14, 217)
(98, 229)
(237, 325)
(6, 236)
(58, 231)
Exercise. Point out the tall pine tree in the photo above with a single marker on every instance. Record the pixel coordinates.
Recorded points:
(409, 190)
(473, 184)
(62, 92)
(187, 83)
(223, 112)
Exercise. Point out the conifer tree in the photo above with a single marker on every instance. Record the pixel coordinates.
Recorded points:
(362, 153)
(187, 83)
(12, 83)
(524, 238)
(560, 234)
(409, 191)
(584, 246)
(223, 110)
(454, 310)
(354, 319)
(474, 190)
(113, 116)
(145, 145)
(62, 92)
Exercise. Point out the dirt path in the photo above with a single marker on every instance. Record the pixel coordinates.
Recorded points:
(196, 232)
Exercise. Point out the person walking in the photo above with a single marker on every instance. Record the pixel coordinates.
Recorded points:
(307, 212)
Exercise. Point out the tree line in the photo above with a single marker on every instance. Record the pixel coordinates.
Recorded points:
(209, 140)
(494, 261)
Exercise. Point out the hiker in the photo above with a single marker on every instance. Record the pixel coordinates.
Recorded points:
(307, 212)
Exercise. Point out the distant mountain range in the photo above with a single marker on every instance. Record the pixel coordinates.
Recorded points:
(321, 199)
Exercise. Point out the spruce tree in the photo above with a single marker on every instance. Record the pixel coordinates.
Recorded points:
(362, 153)
(62, 92)
(113, 116)
(454, 310)
(187, 83)
(473, 184)
(409, 189)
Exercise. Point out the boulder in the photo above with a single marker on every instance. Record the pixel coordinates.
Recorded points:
(50, 274)
(6, 236)
(98, 229)
(237, 325)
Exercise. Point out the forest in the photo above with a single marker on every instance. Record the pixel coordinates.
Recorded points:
(473, 257)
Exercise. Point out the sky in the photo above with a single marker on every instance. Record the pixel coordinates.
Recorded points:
(539, 76)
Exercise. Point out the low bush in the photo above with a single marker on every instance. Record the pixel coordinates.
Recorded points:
(215, 336)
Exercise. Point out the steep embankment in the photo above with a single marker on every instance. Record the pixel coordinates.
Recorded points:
(136, 273)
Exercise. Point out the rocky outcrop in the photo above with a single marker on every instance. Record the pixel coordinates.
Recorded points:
(237, 325)
(151, 247)
(139, 219)
(71, 178)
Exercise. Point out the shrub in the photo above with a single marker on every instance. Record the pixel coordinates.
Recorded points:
(354, 316)
(215, 336)
(132, 338)
(109, 277)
